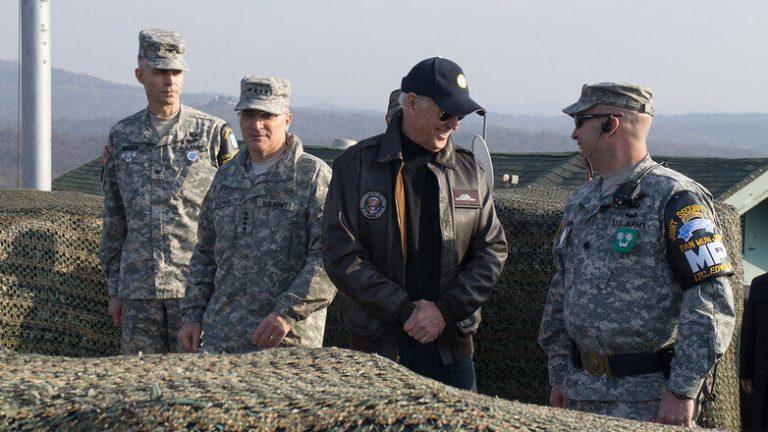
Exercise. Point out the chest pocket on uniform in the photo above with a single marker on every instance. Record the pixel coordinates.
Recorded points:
(132, 165)
(274, 219)
(272, 233)
(193, 173)
(224, 215)
(632, 243)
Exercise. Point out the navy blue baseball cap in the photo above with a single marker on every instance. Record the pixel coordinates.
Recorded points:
(444, 82)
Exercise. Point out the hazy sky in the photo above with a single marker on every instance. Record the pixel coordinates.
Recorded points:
(519, 57)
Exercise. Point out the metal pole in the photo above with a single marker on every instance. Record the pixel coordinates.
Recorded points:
(35, 88)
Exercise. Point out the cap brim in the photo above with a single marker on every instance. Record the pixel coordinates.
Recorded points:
(261, 105)
(577, 107)
(167, 64)
(459, 106)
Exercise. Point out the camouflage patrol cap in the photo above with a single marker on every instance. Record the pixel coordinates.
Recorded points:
(162, 49)
(624, 95)
(268, 94)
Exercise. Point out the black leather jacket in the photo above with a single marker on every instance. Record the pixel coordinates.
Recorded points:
(363, 253)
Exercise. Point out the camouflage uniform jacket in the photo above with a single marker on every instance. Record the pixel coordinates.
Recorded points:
(259, 250)
(153, 189)
(616, 303)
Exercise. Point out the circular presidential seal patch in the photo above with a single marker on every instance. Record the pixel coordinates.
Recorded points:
(373, 204)
(192, 155)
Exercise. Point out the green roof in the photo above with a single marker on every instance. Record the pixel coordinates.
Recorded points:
(85, 178)
(723, 177)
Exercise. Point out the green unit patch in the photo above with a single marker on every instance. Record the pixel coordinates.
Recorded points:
(625, 239)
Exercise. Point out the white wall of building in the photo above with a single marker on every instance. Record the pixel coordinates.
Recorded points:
(756, 241)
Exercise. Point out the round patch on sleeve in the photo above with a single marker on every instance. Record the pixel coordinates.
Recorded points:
(373, 204)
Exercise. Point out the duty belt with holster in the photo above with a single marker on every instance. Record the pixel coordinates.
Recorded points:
(621, 365)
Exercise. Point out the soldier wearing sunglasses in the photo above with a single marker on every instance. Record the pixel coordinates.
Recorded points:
(412, 237)
(640, 308)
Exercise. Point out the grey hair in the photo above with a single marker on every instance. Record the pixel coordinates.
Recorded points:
(401, 99)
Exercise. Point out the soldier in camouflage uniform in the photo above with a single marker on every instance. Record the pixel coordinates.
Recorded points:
(256, 277)
(640, 308)
(158, 164)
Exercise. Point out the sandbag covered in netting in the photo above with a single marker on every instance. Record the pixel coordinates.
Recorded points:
(286, 389)
(508, 359)
(53, 297)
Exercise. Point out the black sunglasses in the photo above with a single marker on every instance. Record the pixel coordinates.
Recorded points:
(444, 116)
(579, 119)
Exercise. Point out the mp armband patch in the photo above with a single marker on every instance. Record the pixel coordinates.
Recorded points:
(695, 248)
(227, 146)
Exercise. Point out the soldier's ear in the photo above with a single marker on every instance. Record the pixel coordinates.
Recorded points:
(288, 119)
(139, 72)
(409, 103)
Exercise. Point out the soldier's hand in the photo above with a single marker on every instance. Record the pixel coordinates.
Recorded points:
(189, 336)
(675, 411)
(271, 331)
(426, 322)
(746, 385)
(115, 310)
(556, 398)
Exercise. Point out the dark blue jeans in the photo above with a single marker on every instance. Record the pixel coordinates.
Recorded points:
(425, 360)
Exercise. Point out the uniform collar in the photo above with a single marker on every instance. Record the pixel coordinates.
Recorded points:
(282, 171)
(592, 196)
(177, 132)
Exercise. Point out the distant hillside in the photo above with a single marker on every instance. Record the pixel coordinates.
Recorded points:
(85, 107)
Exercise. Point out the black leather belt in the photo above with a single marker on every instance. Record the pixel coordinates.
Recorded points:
(621, 365)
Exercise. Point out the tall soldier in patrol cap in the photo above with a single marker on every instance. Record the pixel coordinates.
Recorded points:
(256, 279)
(640, 308)
(412, 237)
(158, 165)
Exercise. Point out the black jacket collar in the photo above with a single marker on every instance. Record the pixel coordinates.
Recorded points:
(392, 144)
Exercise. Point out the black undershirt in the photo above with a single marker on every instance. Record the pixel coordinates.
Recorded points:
(422, 219)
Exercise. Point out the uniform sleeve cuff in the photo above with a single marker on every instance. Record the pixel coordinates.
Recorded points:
(682, 386)
(113, 287)
(558, 369)
(285, 313)
(193, 315)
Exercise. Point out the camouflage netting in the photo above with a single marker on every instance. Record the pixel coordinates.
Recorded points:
(53, 301)
(288, 389)
(52, 294)
(509, 362)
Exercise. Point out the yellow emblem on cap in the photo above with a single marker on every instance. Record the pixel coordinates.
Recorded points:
(461, 81)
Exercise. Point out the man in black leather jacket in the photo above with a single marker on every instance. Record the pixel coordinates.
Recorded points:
(412, 239)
